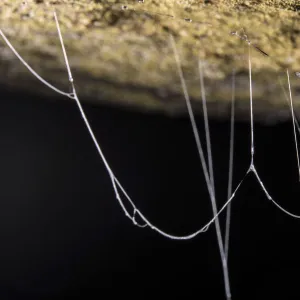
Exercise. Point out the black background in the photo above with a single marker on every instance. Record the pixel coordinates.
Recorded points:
(63, 234)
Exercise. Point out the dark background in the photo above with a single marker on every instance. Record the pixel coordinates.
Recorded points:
(63, 234)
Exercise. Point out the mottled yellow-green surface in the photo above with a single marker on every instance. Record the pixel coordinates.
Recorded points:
(122, 55)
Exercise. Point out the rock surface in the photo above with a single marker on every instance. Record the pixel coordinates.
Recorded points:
(120, 52)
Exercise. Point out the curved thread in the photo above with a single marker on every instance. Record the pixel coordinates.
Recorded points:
(114, 180)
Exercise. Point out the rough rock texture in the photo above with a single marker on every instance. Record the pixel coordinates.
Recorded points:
(120, 52)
